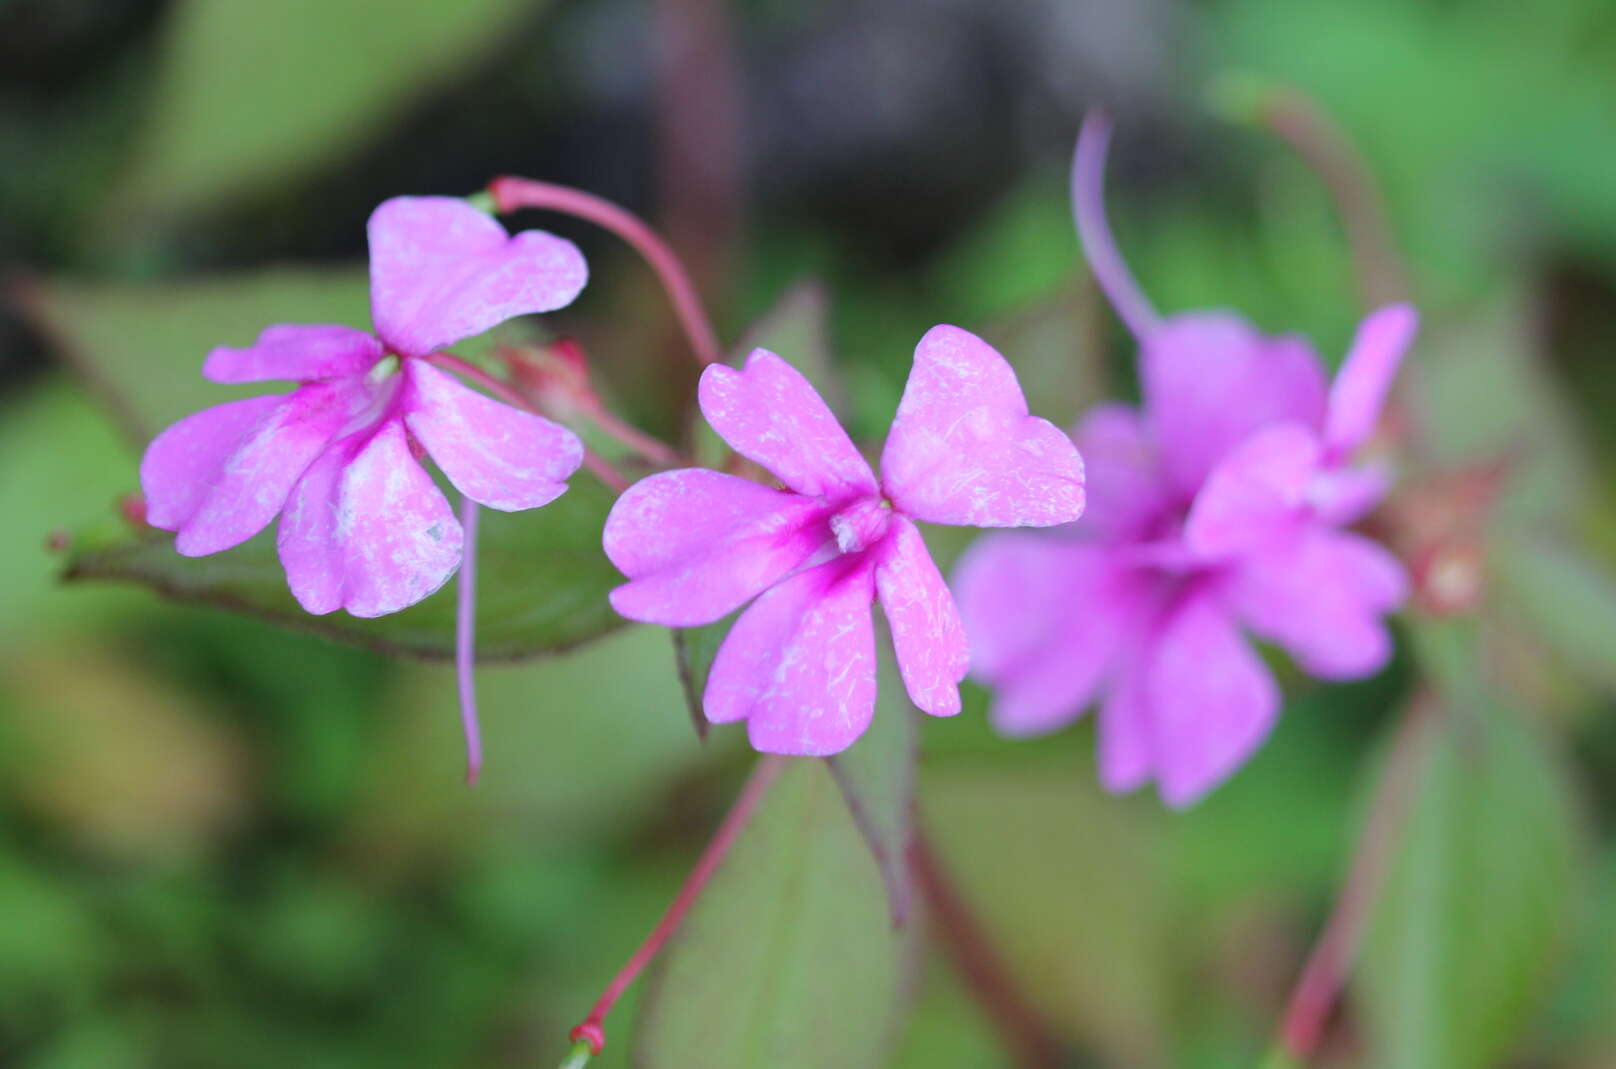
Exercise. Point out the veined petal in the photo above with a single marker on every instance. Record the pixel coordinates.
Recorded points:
(1212, 701)
(1255, 496)
(1210, 380)
(247, 486)
(442, 271)
(367, 529)
(698, 544)
(1046, 618)
(185, 461)
(1125, 491)
(495, 454)
(1323, 598)
(296, 352)
(799, 664)
(963, 449)
(1365, 377)
(926, 629)
(770, 413)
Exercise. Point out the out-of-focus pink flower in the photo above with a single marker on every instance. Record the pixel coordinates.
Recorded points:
(1215, 509)
(799, 664)
(363, 526)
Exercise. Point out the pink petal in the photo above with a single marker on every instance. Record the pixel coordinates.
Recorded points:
(495, 454)
(296, 352)
(184, 462)
(1124, 742)
(1210, 380)
(1343, 496)
(244, 488)
(799, 665)
(1365, 377)
(1212, 701)
(963, 449)
(1045, 617)
(442, 271)
(770, 413)
(367, 529)
(1323, 599)
(1126, 495)
(1255, 494)
(698, 544)
(926, 628)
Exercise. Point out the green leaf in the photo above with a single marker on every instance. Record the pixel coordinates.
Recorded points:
(251, 95)
(1566, 601)
(139, 348)
(788, 959)
(583, 745)
(542, 583)
(1474, 912)
(1067, 884)
(877, 777)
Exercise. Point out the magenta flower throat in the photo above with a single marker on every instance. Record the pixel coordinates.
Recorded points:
(799, 664)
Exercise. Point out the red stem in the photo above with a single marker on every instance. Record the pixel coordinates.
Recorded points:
(1020, 1026)
(1325, 974)
(649, 448)
(592, 1031)
(1326, 148)
(511, 193)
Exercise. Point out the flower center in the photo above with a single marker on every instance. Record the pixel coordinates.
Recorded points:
(861, 525)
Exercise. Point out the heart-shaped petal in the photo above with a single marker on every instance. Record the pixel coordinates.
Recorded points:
(442, 271)
(963, 449)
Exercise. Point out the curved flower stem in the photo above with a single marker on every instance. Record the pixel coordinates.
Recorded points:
(592, 1031)
(1022, 1028)
(652, 449)
(1088, 209)
(498, 387)
(1325, 147)
(466, 640)
(598, 465)
(511, 193)
(602, 469)
(1325, 974)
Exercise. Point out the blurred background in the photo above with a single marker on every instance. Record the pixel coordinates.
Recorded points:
(227, 844)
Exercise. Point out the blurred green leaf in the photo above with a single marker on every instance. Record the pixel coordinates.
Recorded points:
(60, 466)
(1484, 395)
(1566, 601)
(1476, 906)
(251, 95)
(578, 744)
(1066, 881)
(796, 327)
(542, 583)
(877, 777)
(139, 348)
(788, 959)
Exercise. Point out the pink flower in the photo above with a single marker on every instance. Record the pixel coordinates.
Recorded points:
(799, 664)
(363, 526)
(1216, 509)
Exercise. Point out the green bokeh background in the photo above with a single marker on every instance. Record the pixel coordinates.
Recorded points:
(228, 844)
